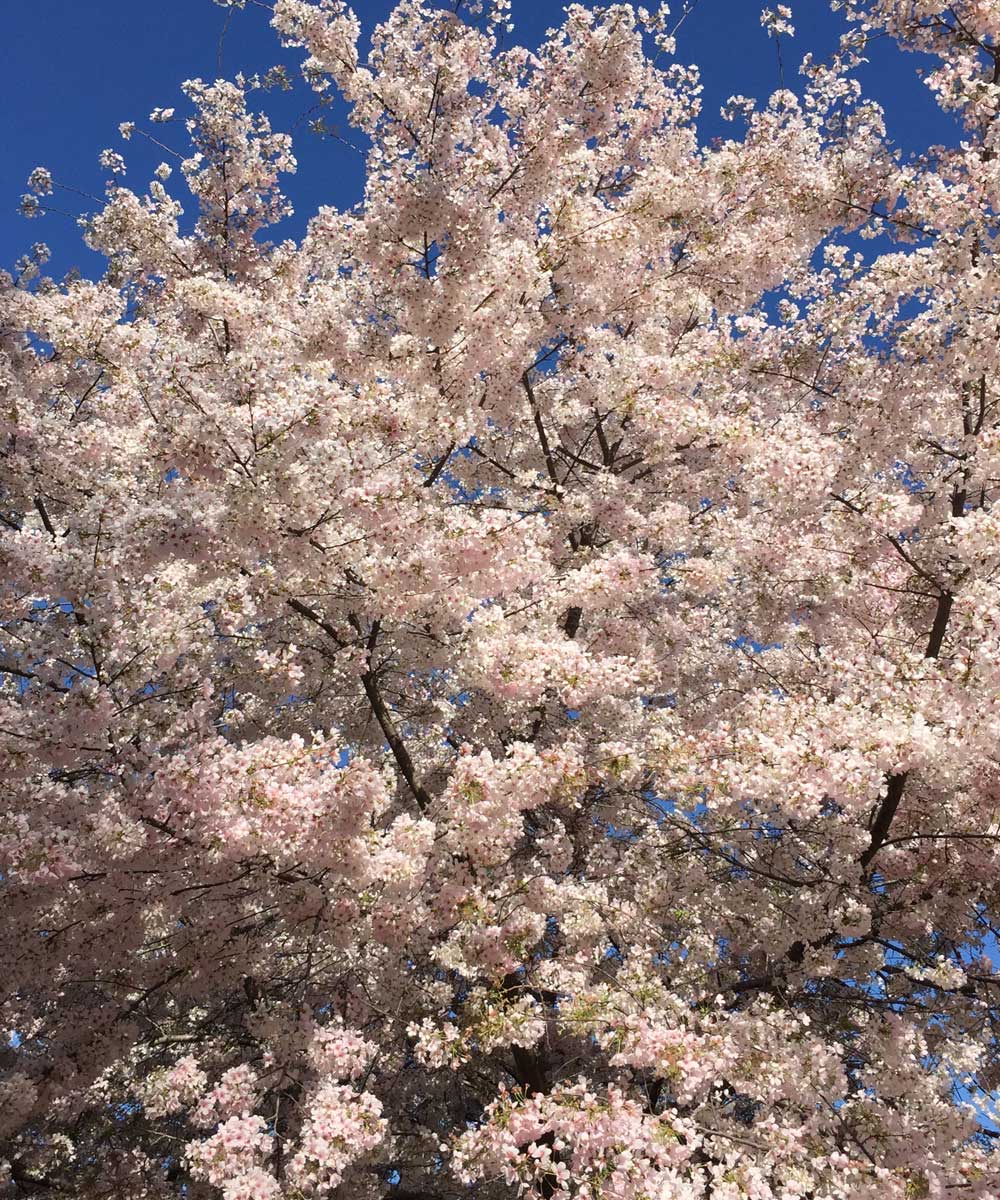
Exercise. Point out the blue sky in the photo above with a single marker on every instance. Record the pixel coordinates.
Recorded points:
(71, 70)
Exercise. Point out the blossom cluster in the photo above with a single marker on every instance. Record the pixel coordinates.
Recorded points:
(501, 693)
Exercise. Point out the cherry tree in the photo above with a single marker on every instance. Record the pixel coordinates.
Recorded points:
(501, 697)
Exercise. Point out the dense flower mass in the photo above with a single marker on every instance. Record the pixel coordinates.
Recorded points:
(501, 698)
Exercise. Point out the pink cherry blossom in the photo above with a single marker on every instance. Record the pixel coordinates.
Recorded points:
(500, 696)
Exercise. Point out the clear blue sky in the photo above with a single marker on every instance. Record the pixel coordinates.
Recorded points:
(71, 70)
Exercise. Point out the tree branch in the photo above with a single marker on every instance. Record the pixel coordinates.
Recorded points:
(396, 744)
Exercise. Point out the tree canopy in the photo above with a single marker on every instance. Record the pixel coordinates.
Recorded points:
(501, 697)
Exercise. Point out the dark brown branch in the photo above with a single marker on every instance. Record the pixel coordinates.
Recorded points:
(311, 615)
(396, 744)
(378, 705)
(940, 625)
(43, 513)
(550, 462)
(572, 621)
(882, 822)
(884, 817)
(439, 466)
